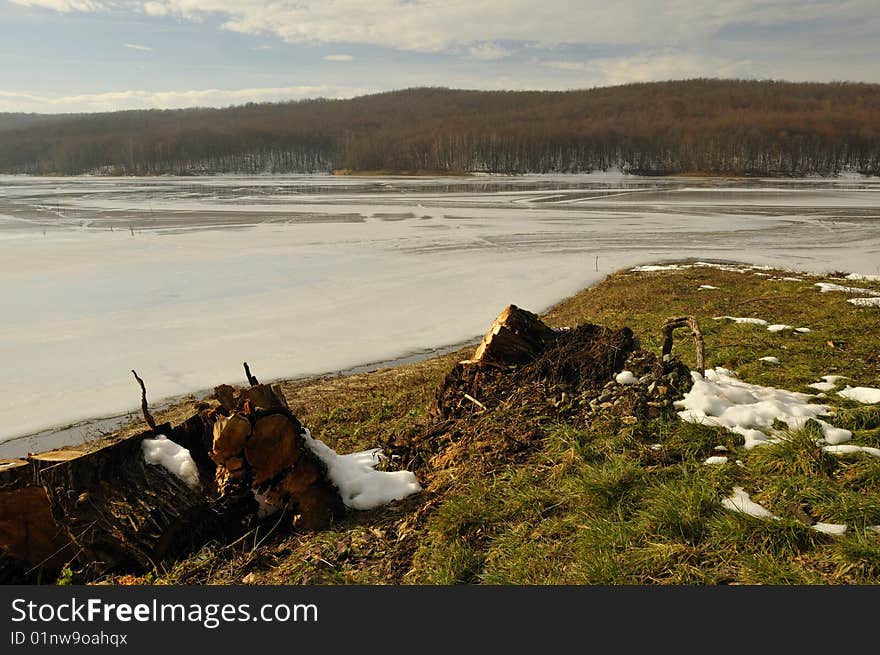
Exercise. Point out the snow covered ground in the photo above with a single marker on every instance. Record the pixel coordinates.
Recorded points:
(182, 279)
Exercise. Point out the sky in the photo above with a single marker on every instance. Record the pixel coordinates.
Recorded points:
(103, 55)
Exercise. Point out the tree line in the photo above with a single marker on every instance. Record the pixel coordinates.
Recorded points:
(729, 127)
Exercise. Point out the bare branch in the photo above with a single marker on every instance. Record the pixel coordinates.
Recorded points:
(251, 379)
(670, 324)
(147, 416)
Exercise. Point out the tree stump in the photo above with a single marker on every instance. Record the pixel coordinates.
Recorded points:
(260, 449)
(109, 509)
(516, 336)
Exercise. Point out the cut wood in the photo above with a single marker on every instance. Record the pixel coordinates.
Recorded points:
(276, 445)
(29, 533)
(260, 448)
(516, 336)
(122, 512)
(111, 510)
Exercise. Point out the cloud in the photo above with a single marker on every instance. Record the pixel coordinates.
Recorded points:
(569, 65)
(135, 46)
(62, 6)
(13, 101)
(635, 39)
(455, 24)
(488, 51)
(645, 67)
(338, 58)
(155, 9)
(444, 26)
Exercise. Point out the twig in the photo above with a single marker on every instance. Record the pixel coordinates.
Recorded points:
(147, 416)
(269, 534)
(474, 401)
(250, 378)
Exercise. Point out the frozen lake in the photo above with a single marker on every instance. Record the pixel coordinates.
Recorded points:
(182, 279)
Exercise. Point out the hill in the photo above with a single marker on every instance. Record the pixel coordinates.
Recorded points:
(730, 127)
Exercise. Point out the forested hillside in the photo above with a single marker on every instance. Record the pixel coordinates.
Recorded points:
(694, 126)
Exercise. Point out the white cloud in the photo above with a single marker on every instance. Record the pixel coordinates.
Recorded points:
(445, 26)
(63, 6)
(13, 101)
(488, 51)
(155, 9)
(645, 67)
(569, 65)
(135, 46)
(338, 58)
(792, 39)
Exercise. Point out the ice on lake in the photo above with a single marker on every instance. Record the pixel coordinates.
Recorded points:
(182, 279)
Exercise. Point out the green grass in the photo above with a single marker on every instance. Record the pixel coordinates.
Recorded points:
(521, 496)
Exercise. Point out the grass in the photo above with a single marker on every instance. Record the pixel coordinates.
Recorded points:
(521, 496)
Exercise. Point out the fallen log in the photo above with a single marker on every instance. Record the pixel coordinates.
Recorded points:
(106, 507)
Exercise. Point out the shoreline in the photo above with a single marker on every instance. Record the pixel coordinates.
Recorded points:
(75, 433)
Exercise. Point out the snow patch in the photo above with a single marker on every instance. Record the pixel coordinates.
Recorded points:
(769, 360)
(722, 399)
(707, 286)
(866, 395)
(737, 319)
(826, 287)
(716, 459)
(779, 327)
(740, 501)
(830, 381)
(659, 267)
(803, 330)
(864, 278)
(864, 302)
(626, 377)
(173, 457)
(360, 484)
(830, 528)
(851, 449)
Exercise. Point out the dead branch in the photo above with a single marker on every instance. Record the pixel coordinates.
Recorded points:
(475, 401)
(671, 324)
(250, 378)
(147, 416)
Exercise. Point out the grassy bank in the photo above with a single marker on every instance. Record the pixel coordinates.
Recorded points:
(521, 494)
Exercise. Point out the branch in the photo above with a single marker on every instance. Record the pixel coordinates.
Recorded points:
(147, 416)
(684, 321)
(251, 379)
